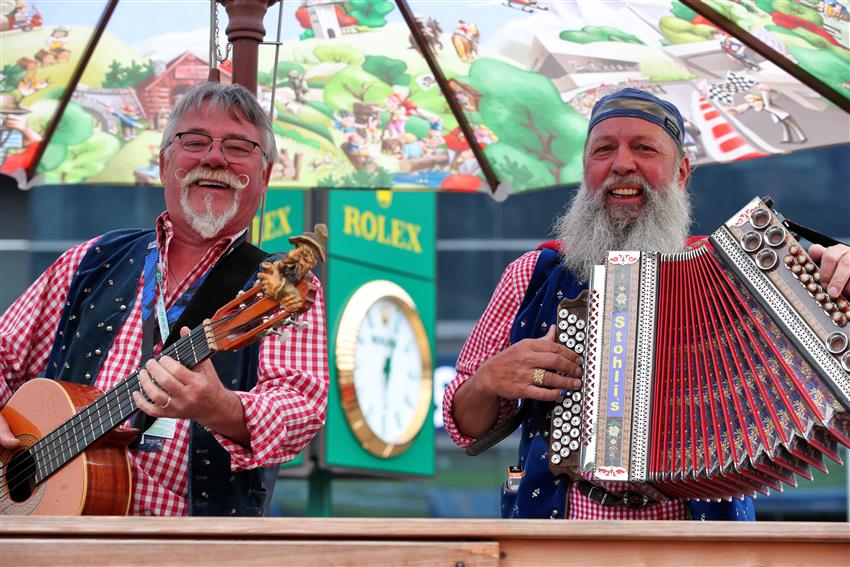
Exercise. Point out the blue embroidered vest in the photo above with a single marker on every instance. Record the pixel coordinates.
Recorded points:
(541, 495)
(101, 296)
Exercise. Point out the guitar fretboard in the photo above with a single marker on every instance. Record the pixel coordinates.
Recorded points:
(94, 421)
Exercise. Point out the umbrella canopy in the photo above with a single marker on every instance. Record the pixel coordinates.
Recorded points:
(487, 95)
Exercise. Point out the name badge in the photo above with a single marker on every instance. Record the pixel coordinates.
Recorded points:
(157, 434)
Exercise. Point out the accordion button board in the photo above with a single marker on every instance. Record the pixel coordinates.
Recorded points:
(565, 424)
(715, 373)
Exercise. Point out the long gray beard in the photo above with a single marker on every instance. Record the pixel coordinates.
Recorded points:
(207, 223)
(587, 232)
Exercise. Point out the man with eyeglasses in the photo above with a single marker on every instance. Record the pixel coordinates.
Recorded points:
(221, 429)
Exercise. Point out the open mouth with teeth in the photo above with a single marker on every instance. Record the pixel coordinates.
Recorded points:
(625, 192)
(209, 184)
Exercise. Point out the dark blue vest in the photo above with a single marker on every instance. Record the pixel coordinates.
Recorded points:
(100, 298)
(540, 494)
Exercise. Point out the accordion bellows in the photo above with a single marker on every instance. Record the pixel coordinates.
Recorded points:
(710, 374)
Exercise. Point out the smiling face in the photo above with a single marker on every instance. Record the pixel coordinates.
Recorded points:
(202, 191)
(625, 157)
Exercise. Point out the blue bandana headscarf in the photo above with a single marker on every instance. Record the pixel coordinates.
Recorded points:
(635, 103)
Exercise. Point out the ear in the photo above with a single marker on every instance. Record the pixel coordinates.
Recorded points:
(162, 166)
(267, 175)
(684, 172)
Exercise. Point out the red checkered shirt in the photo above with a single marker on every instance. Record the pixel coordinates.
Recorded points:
(490, 336)
(283, 411)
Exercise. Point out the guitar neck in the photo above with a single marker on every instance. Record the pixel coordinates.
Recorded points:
(94, 421)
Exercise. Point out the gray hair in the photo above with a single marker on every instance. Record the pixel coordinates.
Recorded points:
(233, 99)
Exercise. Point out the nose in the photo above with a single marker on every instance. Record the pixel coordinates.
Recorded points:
(624, 162)
(215, 155)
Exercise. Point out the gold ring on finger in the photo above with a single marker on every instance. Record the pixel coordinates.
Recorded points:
(537, 377)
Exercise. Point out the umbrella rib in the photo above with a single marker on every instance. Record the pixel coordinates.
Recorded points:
(459, 115)
(72, 86)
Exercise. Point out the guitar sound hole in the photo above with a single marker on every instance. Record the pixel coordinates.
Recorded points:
(20, 476)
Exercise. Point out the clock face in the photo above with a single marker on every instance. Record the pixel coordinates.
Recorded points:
(384, 365)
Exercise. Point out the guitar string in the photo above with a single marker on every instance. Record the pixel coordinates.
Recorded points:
(183, 347)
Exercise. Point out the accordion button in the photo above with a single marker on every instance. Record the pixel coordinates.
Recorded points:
(576, 409)
(836, 342)
(575, 421)
(556, 459)
(821, 297)
(576, 396)
(562, 313)
(557, 434)
(556, 446)
(574, 433)
(808, 267)
(572, 331)
(796, 269)
(829, 307)
(789, 260)
(805, 278)
(562, 338)
(573, 445)
(558, 410)
(562, 325)
(567, 403)
(842, 304)
(572, 318)
(579, 348)
(845, 361)
(557, 422)
(794, 249)
(580, 336)
(564, 452)
(570, 343)
(580, 324)
(839, 318)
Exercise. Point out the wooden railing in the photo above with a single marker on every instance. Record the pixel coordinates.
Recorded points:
(319, 542)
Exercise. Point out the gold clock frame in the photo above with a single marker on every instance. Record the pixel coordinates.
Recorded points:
(346, 342)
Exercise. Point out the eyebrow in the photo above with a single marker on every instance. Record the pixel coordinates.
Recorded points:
(207, 132)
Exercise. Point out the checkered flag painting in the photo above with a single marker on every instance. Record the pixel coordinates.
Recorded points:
(720, 94)
(735, 83)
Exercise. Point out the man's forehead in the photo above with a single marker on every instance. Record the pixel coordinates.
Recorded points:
(216, 121)
(630, 128)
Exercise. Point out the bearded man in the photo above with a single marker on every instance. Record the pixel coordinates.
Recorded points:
(106, 305)
(633, 197)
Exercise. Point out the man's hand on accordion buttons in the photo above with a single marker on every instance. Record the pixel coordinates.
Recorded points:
(834, 265)
(509, 374)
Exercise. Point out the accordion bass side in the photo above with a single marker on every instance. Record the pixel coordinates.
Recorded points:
(710, 374)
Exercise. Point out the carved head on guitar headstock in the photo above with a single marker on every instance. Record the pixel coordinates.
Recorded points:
(282, 292)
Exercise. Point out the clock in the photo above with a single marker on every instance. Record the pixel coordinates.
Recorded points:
(383, 361)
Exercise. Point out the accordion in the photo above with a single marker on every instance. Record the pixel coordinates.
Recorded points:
(715, 373)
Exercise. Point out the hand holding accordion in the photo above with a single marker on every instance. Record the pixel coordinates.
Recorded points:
(714, 373)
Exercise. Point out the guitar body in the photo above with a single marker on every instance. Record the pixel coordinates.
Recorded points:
(95, 482)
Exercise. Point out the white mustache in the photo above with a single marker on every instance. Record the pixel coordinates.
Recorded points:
(626, 180)
(219, 175)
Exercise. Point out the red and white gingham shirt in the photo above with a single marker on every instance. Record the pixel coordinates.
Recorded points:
(283, 411)
(490, 336)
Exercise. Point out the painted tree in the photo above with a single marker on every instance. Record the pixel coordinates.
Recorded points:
(353, 84)
(371, 13)
(538, 134)
(391, 71)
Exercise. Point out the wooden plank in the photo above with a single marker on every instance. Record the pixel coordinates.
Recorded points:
(694, 553)
(401, 528)
(42, 552)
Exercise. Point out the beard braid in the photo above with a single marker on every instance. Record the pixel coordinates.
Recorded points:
(587, 231)
(206, 222)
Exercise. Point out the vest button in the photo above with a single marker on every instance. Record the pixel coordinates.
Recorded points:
(232, 511)
(88, 375)
(206, 462)
(109, 328)
(97, 351)
(123, 308)
(205, 494)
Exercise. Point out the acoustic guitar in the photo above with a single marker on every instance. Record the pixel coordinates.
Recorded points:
(73, 458)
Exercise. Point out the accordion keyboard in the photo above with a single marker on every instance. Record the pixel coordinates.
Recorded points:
(565, 425)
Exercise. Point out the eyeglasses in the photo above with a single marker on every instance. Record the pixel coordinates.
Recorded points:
(234, 149)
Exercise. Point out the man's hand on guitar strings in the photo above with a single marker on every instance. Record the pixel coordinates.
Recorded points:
(172, 390)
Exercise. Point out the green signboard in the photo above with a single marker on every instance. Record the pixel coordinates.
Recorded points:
(283, 216)
(381, 307)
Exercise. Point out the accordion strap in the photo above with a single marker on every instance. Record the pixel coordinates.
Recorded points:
(492, 437)
(810, 234)
(628, 499)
